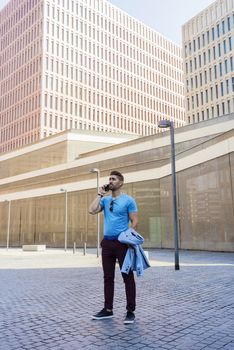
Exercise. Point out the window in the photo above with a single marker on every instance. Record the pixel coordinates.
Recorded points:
(228, 23)
(227, 86)
(208, 55)
(230, 43)
(223, 27)
(204, 58)
(218, 31)
(203, 40)
(224, 46)
(226, 66)
(220, 69)
(214, 53)
(222, 92)
(211, 93)
(213, 33)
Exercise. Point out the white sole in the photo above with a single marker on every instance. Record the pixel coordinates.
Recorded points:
(102, 318)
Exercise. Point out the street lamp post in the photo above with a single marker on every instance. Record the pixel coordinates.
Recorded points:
(97, 171)
(169, 124)
(65, 219)
(8, 223)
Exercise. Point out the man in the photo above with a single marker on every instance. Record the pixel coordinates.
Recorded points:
(119, 209)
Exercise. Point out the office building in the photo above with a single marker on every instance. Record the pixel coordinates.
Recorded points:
(83, 64)
(208, 62)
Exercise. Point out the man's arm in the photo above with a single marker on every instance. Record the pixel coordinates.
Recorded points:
(134, 219)
(95, 206)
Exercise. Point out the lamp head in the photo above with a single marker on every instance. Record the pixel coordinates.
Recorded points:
(164, 124)
(94, 170)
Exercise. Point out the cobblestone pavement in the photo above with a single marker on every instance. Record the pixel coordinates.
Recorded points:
(47, 299)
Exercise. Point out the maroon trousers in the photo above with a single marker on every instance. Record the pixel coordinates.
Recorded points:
(112, 250)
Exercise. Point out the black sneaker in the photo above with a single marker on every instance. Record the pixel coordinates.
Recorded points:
(103, 314)
(130, 317)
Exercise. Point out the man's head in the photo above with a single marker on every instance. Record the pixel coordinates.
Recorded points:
(116, 180)
(118, 174)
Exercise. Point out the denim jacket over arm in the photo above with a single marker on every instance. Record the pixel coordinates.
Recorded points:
(135, 258)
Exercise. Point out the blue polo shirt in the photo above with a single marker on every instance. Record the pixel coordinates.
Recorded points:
(117, 220)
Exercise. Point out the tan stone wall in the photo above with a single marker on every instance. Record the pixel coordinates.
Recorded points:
(205, 204)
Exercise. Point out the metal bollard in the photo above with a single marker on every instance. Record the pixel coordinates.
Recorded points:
(84, 248)
(74, 247)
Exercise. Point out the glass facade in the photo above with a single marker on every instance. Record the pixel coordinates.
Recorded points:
(205, 183)
(205, 207)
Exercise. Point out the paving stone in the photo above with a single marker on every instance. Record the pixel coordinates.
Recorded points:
(51, 308)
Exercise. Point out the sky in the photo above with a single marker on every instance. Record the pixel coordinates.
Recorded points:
(165, 16)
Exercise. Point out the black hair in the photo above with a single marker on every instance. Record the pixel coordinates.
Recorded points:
(118, 174)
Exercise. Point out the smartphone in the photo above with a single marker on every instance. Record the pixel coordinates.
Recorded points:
(106, 187)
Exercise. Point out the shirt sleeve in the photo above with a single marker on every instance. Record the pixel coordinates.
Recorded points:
(102, 202)
(132, 207)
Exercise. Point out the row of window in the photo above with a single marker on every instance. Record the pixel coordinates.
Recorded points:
(21, 79)
(113, 36)
(25, 128)
(211, 35)
(20, 110)
(146, 95)
(21, 92)
(106, 122)
(19, 141)
(140, 129)
(208, 75)
(135, 111)
(207, 56)
(19, 15)
(114, 80)
(17, 77)
(20, 127)
(217, 11)
(219, 109)
(13, 27)
(17, 55)
(224, 88)
(111, 55)
(115, 15)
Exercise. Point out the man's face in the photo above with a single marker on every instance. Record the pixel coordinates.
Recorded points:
(114, 182)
